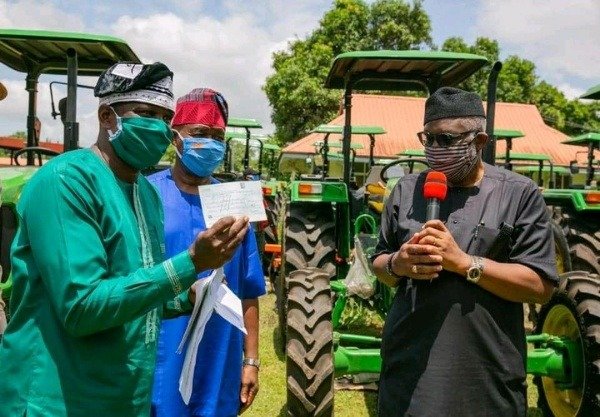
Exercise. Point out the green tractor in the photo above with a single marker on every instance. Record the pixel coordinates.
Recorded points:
(320, 233)
(331, 150)
(577, 209)
(34, 53)
(266, 232)
(245, 137)
(268, 155)
(301, 206)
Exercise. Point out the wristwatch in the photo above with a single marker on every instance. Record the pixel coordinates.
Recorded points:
(475, 270)
(251, 362)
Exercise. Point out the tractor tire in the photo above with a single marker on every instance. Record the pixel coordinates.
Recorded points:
(563, 265)
(308, 241)
(309, 349)
(583, 236)
(310, 237)
(561, 246)
(574, 312)
(269, 232)
(280, 287)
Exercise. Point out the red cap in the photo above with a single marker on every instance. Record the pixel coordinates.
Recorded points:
(201, 106)
(435, 185)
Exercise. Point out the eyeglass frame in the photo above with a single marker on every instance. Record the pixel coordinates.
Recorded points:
(455, 137)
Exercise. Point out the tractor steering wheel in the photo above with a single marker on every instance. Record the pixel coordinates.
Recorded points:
(384, 178)
(226, 176)
(35, 149)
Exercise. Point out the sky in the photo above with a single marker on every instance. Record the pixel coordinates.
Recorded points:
(227, 44)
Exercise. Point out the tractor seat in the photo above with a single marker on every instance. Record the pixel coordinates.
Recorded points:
(311, 177)
(376, 196)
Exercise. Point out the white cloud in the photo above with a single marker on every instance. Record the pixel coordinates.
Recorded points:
(35, 14)
(230, 53)
(560, 37)
(570, 92)
(283, 19)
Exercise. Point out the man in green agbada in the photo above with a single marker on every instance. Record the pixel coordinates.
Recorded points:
(90, 280)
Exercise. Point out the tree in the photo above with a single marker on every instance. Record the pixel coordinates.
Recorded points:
(518, 83)
(295, 91)
(549, 101)
(483, 46)
(398, 25)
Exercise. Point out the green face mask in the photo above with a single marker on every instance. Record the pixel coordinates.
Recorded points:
(140, 141)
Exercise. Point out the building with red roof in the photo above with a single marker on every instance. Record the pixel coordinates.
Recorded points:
(402, 118)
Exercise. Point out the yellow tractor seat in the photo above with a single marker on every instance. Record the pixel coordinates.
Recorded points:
(376, 193)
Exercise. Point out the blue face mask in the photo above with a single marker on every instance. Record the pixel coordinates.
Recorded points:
(201, 156)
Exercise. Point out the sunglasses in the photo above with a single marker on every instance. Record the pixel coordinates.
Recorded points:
(445, 139)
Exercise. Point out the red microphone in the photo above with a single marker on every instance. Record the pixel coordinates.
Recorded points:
(434, 191)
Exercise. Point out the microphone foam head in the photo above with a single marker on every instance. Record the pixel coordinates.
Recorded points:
(435, 185)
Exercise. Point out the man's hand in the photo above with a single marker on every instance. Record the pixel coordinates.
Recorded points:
(249, 387)
(216, 245)
(417, 260)
(435, 234)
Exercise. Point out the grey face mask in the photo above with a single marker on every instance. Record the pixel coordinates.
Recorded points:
(455, 161)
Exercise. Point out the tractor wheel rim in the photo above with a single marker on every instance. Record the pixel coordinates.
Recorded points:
(560, 321)
(560, 260)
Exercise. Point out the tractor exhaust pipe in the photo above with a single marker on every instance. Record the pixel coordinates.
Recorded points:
(71, 132)
(346, 138)
(489, 152)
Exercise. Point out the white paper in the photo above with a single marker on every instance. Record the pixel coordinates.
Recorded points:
(212, 295)
(129, 71)
(237, 199)
(229, 306)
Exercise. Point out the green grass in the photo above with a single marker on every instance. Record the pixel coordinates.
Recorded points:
(272, 395)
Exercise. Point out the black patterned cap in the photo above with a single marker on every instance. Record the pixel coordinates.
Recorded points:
(450, 103)
(146, 83)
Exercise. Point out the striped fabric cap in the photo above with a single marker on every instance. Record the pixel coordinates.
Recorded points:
(201, 106)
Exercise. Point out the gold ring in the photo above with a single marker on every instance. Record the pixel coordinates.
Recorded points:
(414, 269)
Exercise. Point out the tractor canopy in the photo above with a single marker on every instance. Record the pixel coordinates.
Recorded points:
(507, 134)
(37, 51)
(530, 157)
(420, 153)
(591, 141)
(584, 140)
(402, 70)
(245, 123)
(338, 145)
(593, 93)
(355, 130)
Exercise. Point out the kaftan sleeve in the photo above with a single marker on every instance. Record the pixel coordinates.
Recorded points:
(67, 244)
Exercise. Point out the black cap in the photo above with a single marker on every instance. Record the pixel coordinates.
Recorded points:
(150, 83)
(450, 103)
